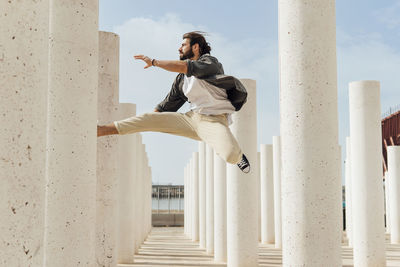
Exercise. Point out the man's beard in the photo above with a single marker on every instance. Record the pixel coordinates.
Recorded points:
(189, 54)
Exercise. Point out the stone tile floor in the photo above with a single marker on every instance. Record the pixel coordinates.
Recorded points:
(168, 246)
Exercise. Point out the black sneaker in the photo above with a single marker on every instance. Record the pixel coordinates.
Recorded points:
(244, 164)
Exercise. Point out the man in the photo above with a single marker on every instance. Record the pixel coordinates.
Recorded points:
(213, 97)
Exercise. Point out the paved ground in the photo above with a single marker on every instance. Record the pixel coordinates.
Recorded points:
(170, 247)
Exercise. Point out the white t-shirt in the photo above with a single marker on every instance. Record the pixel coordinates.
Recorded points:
(206, 98)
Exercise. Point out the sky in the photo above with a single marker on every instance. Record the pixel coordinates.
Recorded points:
(244, 37)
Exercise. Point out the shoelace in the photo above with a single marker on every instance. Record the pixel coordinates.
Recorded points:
(242, 164)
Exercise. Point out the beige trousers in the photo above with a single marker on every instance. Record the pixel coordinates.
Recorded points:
(212, 129)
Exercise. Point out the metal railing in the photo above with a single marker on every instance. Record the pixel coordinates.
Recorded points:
(168, 199)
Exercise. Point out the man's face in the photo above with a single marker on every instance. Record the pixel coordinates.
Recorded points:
(185, 51)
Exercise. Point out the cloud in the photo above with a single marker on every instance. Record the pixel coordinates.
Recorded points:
(389, 15)
(368, 57)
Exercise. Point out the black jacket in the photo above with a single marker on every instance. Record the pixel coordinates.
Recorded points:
(209, 69)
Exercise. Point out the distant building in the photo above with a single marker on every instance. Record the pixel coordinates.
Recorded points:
(390, 132)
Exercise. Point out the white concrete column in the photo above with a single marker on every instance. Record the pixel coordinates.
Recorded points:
(186, 198)
(142, 226)
(72, 141)
(202, 194)
(311, 184)
(339, 173)
(258, 175)
(219, 209)
(209, 199)
(144, 194)
(348, 190)
(149, 201)
(23, 106)
(242, 208)
(267, 194)
(147, 198)
(387, 202)
(146, 201)
(138, 189)
(277, 171)
(366, 174)
(195, 197)
(185, 187)
(126, 190)
(149, 209)
(107, 151)
(393, 159)
(190, 197)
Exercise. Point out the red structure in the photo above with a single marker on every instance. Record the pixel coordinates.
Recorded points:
(390, 134)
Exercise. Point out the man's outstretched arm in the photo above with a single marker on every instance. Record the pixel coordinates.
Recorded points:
(179, 66)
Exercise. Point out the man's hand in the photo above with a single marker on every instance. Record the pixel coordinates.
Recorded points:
(147, 60)
(179, 66)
